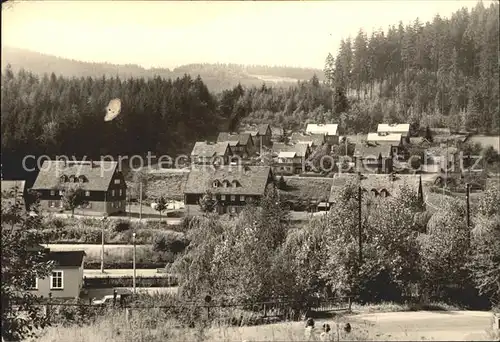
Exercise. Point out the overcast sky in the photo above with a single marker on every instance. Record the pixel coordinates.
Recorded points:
(168, 34)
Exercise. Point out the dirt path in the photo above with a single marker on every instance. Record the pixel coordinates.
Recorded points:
(440, 326)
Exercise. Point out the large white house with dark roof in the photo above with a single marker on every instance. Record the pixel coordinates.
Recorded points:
(403, 129)
(103, 185)
(330, 131)
(232, 186)
(290, 158)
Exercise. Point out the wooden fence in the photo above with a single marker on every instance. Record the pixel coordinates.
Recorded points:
(266, 311)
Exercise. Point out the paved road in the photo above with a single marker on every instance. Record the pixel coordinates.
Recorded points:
(442, 325)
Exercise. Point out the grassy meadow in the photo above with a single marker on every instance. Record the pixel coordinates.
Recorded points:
(142, 326)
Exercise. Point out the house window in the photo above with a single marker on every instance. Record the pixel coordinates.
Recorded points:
(233, 198)
(233, 210)
(51, 204)
(33, 284)
(223, 197)
(242, 198)
(215, 184)
(52, 192)
(89, 205)
(117, 181)
(121, 192)
(61, 192)
(87, 193)
(60, 204)
(56, 280)
(112, 192)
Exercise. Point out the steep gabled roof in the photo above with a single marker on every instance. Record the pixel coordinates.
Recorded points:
(290, 154)
(394, 128)
(391, 137)
(204, 149)
(315, 139)
(262, 129)
(241, 138)
(300, 148)
(372, 151)
(97, 174)
(252, 180)
(325, 129)
(66, 258)
(378, 182)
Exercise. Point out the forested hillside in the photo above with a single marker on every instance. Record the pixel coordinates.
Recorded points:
(441, 73)
(60, 116)
(217, 77)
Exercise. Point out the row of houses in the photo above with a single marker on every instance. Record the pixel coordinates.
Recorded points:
(232, 187)
(105, 189)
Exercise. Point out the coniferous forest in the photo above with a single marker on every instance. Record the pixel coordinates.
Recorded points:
(443, 73)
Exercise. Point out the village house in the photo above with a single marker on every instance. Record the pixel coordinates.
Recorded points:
(330, 131)
(277, 134)
(377, 185)
(205, 153)
(403, 129)
(65, 279)
(313, 140)
(232, 186)
(242, 144)
(373, 158)
(102, 183)
(395, 140)
(290, 159)
(261, 136)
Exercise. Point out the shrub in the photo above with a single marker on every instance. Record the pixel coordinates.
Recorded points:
(170, 242)
(122, 226)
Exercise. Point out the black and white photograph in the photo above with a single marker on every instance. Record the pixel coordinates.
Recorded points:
(244, 171)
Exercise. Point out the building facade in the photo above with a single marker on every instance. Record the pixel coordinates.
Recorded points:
(207, 153)
(231, 186)
(66, 278)
(242, 144)
(101, 182)
(330, 131)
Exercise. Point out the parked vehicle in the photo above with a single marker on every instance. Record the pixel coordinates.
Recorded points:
(108, 299)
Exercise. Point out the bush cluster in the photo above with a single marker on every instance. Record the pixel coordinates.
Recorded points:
(57, 230)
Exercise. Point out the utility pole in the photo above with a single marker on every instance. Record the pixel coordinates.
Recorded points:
(359, 221)
(140, 201)
(133, 239)
(468, 206)
(102, 243)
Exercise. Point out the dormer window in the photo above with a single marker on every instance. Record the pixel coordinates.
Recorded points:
(235, 184)
(215, 184)
(117, 181)
(63, 179)
(226, 183)
(82, 179)
(72, 179)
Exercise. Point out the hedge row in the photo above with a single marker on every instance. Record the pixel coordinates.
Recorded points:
(99, 283)
(124, 265)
